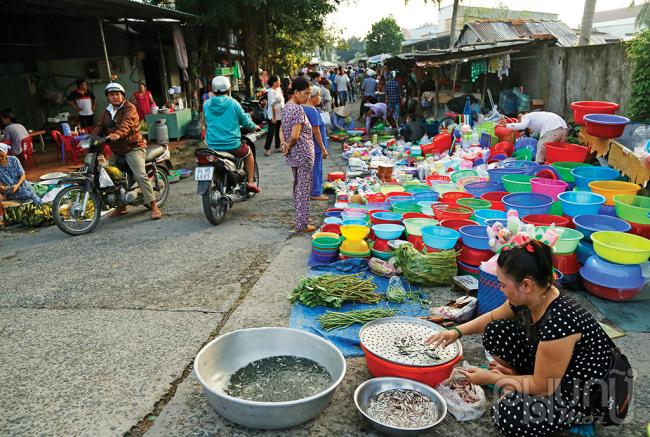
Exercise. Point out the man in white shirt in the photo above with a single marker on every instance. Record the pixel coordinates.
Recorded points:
(274, 107)
(551, 128)
(342, 80)
(374, 113)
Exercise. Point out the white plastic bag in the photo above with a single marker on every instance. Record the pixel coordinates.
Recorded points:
(457, 406)
(460, 310)
(327, 121)
(104, 179)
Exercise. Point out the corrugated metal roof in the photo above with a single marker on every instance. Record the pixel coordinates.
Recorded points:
(493, 31)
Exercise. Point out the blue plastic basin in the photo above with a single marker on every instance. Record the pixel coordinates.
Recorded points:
(386, 231)
(580, 202)
(584, 175)
(590, 223)
(475, 237)
(437, 237)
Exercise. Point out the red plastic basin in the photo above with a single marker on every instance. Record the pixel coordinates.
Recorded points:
(605, 125)
(580, 109)
(615, 294)
(451, 197)
(456, 224)
(494, 198)
(567, 264)
(566, 152)
(546, 220)
(474, 257)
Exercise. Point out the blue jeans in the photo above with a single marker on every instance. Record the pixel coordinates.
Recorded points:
(317, 173)
(343, 97)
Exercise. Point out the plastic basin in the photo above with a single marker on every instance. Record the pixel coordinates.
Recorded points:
(497, 173)
(609, 293)
(529, 167)
(355, 232)
(324, 234)
(561, 152)
(495, 198)
(527, 203)
(491, 222)
(456, 224)
(355, 247)
(605, 125)
(445, 211)
(387, 231)
(517, 183)
(354, 216)
(326, 242)
(332, 221)
(438, 237)
(590, 223)
(475, 204)
(609, 189)
(387, 189)
(634, 209)
(414, 225)
(621, 248)
(473, 257)
(400, 199)
(402, 207)
(584, 175)
(446, 187)
(359, 222)
(568, 241)
(458, 175)
(584, 251)
(475, 237)
(546, 220)
(582, 108)
(482, 215)
(550, 187)
(477, 189)
(580, 202)
(608, 274)
(385, 217)
(452, 197)
(426, 196)
(564, 169)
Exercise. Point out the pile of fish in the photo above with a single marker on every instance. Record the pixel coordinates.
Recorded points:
(402, 408)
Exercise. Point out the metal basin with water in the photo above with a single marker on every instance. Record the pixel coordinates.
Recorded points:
(223, 356)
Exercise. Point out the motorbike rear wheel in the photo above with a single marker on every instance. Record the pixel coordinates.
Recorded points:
(163, 187)
(217, 212)
(68, 206)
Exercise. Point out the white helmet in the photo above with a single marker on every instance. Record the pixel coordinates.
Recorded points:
(114, 86)
(220, 84)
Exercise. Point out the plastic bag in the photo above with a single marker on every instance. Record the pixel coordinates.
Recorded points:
(460, 310)
(458, 407)
(395, 292)
(104, 179)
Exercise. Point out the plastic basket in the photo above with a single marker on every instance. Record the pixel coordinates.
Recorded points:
(528, 203)
(489, 296)
(477, 189)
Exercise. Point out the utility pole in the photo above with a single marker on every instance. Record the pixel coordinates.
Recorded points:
(587, 22)
(454, 17)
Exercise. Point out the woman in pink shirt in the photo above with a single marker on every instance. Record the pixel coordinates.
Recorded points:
(143, 100)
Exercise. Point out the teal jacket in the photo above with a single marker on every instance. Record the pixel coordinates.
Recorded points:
(223, 116)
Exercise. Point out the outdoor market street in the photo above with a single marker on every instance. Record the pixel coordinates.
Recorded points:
(99, 332)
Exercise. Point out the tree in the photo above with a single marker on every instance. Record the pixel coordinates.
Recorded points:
(349, 48)
(638, 52)
(385, 36)
(587, 22)
(643, 19)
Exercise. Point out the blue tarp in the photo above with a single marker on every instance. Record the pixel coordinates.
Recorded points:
(347, 340)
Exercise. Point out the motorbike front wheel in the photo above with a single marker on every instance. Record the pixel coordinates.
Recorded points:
(214, 206)
(76, 211)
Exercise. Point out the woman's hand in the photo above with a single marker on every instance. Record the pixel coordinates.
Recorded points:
(285, 149)
(479, 376)
(15, 188)
(444, 338)
(325, 154)
(493, 365)
(112, 137)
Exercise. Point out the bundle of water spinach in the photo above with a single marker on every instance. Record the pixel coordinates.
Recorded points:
(334, 290)
(279, 379)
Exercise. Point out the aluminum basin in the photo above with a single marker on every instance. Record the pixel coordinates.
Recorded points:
(373, 387)
(223, 356)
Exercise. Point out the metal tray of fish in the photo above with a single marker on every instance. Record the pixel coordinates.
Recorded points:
(400, 340)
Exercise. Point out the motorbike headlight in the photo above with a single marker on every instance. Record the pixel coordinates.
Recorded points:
(90, 159)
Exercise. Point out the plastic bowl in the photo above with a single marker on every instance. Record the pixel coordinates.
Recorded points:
(456, 224)
(388, 231)
(580, 202)
(608, 274)
(481, 215)
(475, 237)
(458, 175)
(495, 198)
(527, 203)
(582, 108)
(546, 220)
(438, 237)
(473, 257)
(475, 204)
(332, 221)
(497, 173)
(564, 169)
(568, 241)
(359, 222)
(426, 196)
(609, 189)
(614, 294)
(477, 189)
(453, 196)
(634, 209)
(326, 242)
(324, 234)
(550, 187)
(605, 125)
(385, 217)
(562, 152)
(354, 232)
(491, 222)
(414, 225)
(352, 215)
(621, 248)
(517, 183)
(584, 175)
(445, 211)
(529, 167)
(566, 263)
(446, 187)
(402, 207)
(590, 223)
(584, 251)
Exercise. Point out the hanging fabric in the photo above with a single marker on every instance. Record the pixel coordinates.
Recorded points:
(478, 68)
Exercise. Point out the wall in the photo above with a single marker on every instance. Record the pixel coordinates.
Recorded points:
(568, 74)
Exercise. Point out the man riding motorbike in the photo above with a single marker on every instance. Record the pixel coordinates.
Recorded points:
(223, 118)
(121, 125)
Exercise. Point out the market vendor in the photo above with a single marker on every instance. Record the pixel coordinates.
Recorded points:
(547, 348)
(374, 113)
(550, 127)
(341, 119)
(13, 185)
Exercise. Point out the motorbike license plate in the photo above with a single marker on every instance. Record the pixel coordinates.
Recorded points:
(203, 173)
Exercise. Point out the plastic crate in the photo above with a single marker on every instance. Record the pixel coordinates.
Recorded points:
(489, 294)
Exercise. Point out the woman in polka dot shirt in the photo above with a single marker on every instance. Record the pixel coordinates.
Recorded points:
(549, 351)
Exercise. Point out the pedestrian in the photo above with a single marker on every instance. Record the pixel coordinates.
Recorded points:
(332, 79)
(274, 107)
(550, 127)
(368, 87)
(13, 184)
(14, 132)
(374, 113)
(393, 98)
(320, 143)
(143, 100)
(351, 84)
(285, 85)
(342, 81)
(326, 96)
(83, 101)
(298, 147)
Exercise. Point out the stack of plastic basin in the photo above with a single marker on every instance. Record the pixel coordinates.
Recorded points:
(354, 245)
(582, 108)
(584, 175)
(609, 189)
(325, 249)
(636, 211)
(475, 247)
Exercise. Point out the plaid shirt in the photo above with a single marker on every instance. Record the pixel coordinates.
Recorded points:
(393, 91)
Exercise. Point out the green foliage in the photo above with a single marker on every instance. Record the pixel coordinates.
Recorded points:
(643, 19)
(385, 36)
(638, 51)
(349, 48)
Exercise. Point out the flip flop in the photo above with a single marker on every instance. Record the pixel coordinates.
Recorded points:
(253, 188)
(321, 197)
(118, 213)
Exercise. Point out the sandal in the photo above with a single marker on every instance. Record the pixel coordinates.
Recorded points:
(253, 188)
(119, 212)
(309, 228)
(321, 197)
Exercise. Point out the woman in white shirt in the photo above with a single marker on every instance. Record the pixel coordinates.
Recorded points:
(274, 107)
(551, 128)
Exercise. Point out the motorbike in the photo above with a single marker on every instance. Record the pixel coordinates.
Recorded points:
(77, 208)
(221, 176)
